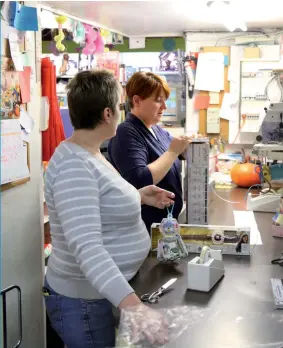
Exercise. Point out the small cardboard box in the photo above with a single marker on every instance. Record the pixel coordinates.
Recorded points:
(251, 52)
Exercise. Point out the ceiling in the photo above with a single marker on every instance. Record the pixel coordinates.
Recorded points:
(170, 18)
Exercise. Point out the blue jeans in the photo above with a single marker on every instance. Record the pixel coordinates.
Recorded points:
(80, 323)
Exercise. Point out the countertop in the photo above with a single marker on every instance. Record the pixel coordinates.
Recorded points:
(239, 311)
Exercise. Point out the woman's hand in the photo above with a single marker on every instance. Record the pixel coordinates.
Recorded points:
(190, 139)
(156, 197)
(146, 324)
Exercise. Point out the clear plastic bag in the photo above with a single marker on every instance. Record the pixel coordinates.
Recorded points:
(179, 319)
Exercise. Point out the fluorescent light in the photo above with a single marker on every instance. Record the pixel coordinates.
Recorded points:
(227, 13)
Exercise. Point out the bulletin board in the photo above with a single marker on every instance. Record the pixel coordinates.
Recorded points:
(224, 124)
(7, 67)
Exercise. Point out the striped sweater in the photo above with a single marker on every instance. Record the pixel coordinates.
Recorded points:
(99, 240)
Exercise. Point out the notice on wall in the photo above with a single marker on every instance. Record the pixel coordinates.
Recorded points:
(13, 152)
(210, 72)
(109, 61)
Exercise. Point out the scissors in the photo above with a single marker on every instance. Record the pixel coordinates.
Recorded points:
(278, 261)
(154, 297)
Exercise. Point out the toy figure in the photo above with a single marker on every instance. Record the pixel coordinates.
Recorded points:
(171, 248)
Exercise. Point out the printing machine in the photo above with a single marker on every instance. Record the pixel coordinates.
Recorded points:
(270, 146)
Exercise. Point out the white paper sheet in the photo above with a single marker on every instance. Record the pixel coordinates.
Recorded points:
(13, 152)
(229, 107)
(15, 49)
(247, 219)
(210, 72)
(26, 121)
(25, 136)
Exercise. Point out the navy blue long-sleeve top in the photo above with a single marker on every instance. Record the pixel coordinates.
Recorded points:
(130, 152)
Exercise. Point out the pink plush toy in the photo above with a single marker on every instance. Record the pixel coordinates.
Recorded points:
(91, 36)
(94, 42)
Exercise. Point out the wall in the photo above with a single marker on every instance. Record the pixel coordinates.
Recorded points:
(194, 42)
(151, 45)
(22, 238)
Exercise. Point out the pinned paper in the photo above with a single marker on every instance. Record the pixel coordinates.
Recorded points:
(210, 72)
(214, 98)
(26, 59)
(26, 19)
(226, 60)
(25, 136)
(26, 121)
(201, 102)
(15, 49)
(25, 84)
(13, 8)
(229, 107)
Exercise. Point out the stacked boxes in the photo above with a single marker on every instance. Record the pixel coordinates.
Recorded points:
(196, 185)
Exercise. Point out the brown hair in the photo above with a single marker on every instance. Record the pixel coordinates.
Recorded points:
(145, 84)
(89, 93)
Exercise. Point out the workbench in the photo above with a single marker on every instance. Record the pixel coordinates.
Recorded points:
(239, 310)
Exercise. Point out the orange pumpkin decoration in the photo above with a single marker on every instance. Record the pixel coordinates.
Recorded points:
(245, 174)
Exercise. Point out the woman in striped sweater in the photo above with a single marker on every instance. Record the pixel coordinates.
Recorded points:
(98, 237)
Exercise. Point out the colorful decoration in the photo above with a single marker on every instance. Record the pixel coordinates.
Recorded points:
(94, 42)
(10, 95)
(245, 174)
(106, 36)
(60, 37)
(91, 36)
(99, 42)
(78, 30)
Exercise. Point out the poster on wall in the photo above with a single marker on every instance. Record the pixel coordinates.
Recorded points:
(168, 61)
(13, 152)
(69, 64)
(109, 61)
(10, 95)
(84, 62)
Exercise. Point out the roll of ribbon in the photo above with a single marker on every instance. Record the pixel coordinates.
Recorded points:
(204, 255)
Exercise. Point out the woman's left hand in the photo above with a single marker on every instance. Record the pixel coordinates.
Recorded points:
(156, 197)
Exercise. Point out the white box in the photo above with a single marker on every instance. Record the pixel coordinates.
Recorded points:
(202, 277)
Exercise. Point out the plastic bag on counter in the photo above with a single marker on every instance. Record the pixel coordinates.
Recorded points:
(177, 319)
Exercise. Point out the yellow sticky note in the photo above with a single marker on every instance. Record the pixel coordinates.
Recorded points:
(214, 98)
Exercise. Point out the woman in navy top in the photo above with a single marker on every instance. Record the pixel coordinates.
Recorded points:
(144, 153)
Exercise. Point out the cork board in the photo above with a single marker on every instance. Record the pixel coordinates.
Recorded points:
(224, 124)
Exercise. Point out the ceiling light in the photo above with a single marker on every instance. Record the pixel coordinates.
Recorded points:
(227, 13)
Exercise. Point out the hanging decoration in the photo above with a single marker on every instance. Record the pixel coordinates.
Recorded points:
(99, 42)
(106, 36)
(78, 30)
(60, 37)
(90, 37)
(94, 42)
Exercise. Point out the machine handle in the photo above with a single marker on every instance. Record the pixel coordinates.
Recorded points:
(5, 337)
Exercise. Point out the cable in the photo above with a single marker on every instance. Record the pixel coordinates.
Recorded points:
(223, 199)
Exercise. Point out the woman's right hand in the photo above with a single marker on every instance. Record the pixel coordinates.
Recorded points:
(146, 324)
(179, 144)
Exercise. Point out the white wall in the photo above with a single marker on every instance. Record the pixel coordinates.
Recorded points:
(22, 237)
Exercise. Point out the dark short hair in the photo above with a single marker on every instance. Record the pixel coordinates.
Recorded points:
(89, 93)
(145, 84)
